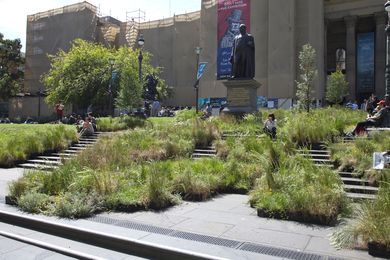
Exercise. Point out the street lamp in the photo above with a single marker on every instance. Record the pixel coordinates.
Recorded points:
(112, 62)
(387, 74)
(141, 43)
(198, 50)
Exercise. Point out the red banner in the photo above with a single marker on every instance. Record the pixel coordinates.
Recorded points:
(231, 13)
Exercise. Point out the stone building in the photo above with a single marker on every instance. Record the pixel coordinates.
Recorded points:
(348, 34)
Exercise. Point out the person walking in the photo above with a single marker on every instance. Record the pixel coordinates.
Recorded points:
(59, 108)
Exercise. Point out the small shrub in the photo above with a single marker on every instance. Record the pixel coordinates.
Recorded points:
(76, 205)
(34, 202)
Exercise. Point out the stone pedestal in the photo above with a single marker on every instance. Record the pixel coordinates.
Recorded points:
(241, 96)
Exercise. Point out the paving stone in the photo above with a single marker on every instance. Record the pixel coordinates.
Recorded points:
(160, 219)
(270, 237)
(25, 252)
(205, 248)
(203, 227)
(322, 245)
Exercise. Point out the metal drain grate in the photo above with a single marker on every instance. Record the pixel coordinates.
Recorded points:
(144, 227)
(250, 247)
(281, 252)
(207, 239)
(104, 220)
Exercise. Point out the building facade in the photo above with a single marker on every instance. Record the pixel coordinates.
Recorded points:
(346, 34)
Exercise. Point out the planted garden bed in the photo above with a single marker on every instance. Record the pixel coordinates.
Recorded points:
(378, 250)
(301, 216)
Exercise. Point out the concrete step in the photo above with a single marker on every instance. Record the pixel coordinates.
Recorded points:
(354, 181)
(51, 158)
(82, 145)
(361, 189)
(320, 161)
(44, 162)
(313, 151)
(64, 155)
(77, 148)
(324, 165)
(361, 196)
(71, 151)
(326, 156)
(203, 155)
(86, 142)
(347, 174)
(38, 166)
(205, 151)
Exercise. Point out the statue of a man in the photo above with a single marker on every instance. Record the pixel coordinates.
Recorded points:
(243, 55)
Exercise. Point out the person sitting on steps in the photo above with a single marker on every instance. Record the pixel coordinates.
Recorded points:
(87, 128)
(381, 118)
(270, 126)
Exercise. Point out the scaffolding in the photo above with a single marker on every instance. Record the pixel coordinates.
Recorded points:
(133, 21)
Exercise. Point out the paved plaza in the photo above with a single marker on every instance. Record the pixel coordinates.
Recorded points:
(223, 218)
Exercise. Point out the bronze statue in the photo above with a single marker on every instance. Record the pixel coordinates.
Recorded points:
(243, 55)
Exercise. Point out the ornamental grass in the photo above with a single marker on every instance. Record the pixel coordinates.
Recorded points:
(19, 142)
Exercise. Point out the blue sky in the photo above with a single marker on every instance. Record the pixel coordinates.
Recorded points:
(13, 13)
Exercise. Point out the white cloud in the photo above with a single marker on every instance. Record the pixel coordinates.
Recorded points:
(13, 14)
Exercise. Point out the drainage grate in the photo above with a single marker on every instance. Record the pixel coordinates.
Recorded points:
(207, 239)
(281, 252)
(144, 227)
(250, 247)
(104, 220)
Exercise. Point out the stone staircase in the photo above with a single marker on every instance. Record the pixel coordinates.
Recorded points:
(355, 187)
(55, 160)
(235, 134)
(204, 152)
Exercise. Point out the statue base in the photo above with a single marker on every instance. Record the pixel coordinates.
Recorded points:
(241, 97)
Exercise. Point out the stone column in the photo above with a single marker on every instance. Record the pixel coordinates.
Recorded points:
(350, 22)
(380, 53)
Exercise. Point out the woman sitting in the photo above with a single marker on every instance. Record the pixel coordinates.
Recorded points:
(270, 126)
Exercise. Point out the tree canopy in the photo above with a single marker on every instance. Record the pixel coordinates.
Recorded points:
(307, 66)
(11, 72)
(84, 76)
(336, 88)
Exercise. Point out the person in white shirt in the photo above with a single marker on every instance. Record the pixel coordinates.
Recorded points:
(270, 126)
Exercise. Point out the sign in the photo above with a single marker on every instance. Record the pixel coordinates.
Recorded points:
(231, 13)
(201, 69)
(365, 62)
(114, 75)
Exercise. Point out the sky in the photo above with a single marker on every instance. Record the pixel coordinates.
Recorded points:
(13, 13)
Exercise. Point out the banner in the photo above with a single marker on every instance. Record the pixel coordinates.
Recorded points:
(231, 13)
(365, 62)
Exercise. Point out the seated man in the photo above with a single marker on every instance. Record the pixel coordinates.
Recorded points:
(270, 126)
(87, 127)
(376, 120)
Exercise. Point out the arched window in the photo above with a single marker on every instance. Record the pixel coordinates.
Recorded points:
(340, 59)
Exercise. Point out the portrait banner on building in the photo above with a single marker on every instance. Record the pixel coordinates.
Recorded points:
(365, 62)
(231, 13)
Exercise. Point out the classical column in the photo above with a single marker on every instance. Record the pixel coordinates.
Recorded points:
(350, 22)
(380, 53)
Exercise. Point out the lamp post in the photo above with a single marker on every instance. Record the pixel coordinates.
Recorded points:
(141, 43)
(112, 62)
(387, 74)
(198, 50)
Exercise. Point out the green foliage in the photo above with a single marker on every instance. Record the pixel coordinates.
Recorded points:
(11, 76)
(336, 88)
(307, 66)
(18, 142)
(298, 186)
(82, 76)
(357, 156)
(109, 124)
(34, 202)
(370, 222)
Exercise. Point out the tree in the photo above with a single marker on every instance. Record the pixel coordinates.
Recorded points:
(307, 66)
(82, 76)
(11, 72)
(336, 88)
